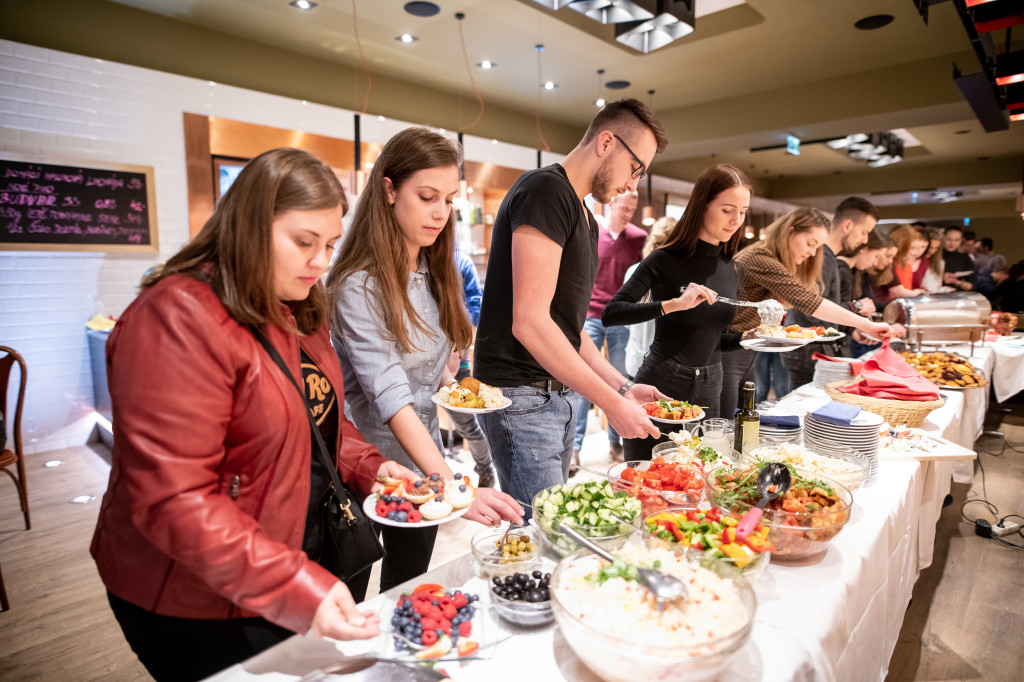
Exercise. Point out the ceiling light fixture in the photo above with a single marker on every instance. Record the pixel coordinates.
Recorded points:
(673, 19)
(1010, 68)
(995, 15)
(554, 4)
(487, 64)
(406, 38)
(617, 85)
(550, 85)
(304, 5)
(600, 100)
(615, 11)
(874, 21)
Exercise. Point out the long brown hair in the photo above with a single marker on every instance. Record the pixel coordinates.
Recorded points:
(904, 236)
(374, 243)
(876, 242)
(777, 242)
(712, 182)
(234, 250)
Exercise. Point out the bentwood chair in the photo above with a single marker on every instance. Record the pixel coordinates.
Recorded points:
(15, 457)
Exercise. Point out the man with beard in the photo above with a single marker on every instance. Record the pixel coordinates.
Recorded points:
(541, 271)
(853, 221)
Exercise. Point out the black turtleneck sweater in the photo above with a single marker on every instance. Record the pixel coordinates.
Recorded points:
(695, 337)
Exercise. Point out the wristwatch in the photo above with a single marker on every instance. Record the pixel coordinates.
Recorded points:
(625, 387)
(858, 306)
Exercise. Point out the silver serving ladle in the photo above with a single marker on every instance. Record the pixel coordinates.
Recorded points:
(663, 586)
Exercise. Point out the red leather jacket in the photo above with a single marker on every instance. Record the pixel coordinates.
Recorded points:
(206, 505)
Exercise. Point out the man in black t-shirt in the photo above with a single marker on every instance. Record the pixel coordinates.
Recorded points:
(543, 261)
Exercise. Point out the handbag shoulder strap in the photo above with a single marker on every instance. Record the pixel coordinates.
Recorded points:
(322, 446)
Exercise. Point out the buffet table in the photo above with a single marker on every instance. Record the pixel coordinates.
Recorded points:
(1008, 374)
(836, 618)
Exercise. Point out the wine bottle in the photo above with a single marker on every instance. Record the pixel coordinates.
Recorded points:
(748, 422)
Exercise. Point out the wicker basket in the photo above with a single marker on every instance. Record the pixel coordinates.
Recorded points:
(896, 412)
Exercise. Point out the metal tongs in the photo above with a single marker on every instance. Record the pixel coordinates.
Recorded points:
(770, 310)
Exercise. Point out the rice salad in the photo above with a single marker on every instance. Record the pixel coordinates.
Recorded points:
(843, 470)
(624, 610)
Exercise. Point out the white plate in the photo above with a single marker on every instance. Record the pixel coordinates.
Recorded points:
(762, 346)
(674, 421)
(831, 337)
(470, 410)
(784, 339)
(370, 502)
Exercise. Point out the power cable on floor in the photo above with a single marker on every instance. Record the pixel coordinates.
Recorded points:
(983, 527)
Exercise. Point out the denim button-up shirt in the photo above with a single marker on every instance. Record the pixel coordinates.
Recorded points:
(380, 379)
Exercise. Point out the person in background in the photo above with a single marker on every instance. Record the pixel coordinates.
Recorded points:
(967, 243)
(641, 334)
(785, 266)
(908, 267)
(881, 272)
(1008, 296)
(853, 221)
(959, 265)
(986, 261)
(541, 273)
(210, 539)
(398, 311)
(852, 285)
(932, 280)
(882, 249)
(618, 247)
(466, 424)
(692, 267)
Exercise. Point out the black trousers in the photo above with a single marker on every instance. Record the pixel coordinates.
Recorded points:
(698, 385)
(737, 367)
(186, 649)
(409, 551)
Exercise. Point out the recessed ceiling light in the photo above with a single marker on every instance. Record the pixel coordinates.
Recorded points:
(303, 4)
(381, 118)
(487, 64)
(422, 9)
(874, 21)
(600, 102)
(406, 38)
(550, 85)
(494, 141)
(617, 85)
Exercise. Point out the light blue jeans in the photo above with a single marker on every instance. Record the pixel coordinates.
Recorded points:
(531, 440)
(617, 338)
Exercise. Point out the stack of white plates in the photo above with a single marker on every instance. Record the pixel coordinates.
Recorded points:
(777, 434)
(861, 435)
(827, 371)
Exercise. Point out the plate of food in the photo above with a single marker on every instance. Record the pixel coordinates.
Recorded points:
(428, 501)
(435, 623)
(946, 370)
(673, 411)
(470, 396)
(768, 346)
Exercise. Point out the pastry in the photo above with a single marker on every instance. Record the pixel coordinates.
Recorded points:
(435, 509)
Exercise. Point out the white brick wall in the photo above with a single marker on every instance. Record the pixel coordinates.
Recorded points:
(69, 106)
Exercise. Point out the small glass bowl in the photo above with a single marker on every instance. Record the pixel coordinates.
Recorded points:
(523, 613)
(489, 560)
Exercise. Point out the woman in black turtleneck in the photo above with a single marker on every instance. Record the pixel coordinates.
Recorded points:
(685, 360)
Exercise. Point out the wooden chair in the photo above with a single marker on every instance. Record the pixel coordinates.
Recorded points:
(16, 456)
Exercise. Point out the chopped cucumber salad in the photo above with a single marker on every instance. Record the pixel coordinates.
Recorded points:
(593, 508)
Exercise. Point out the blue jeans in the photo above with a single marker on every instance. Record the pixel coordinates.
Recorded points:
(770, 372)
(531, 440)
(617, 338)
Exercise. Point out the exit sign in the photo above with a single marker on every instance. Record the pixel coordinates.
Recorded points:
(792, 145)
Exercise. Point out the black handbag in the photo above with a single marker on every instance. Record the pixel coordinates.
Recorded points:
(350, 542)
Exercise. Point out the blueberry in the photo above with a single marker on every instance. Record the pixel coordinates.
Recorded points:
(417, 617)
(436, 489)
(401, 517)
(473, 597)
(462, 488)
(435, 477)
(435, 603)
(439, 498)
(419, 482)
(458, 477)
(391, 516)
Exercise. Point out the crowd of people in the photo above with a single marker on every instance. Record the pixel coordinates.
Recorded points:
(257, 403)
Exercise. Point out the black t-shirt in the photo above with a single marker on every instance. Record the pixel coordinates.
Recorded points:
(543, 199)
(323, 402)
(959, 262)
(692, 338)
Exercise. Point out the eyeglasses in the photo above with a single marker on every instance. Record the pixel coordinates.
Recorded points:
(637, 172)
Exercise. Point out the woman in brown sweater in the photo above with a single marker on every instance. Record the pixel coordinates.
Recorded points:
(786, 266)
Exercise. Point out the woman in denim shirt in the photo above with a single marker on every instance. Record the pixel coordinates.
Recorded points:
(397, 315)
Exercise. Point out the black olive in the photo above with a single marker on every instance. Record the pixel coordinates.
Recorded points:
(496, 580)
(545, 593)
(509, 580)
(534, 596)
(538, 575)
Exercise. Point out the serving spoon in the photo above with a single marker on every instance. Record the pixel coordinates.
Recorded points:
(663, 586)
(773, 480)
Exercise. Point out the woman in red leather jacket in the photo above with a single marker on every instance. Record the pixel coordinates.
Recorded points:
(201, 535)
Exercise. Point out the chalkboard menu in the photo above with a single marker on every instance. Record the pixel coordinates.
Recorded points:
(71, 207)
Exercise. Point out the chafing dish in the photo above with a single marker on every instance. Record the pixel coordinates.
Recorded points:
(939, 319)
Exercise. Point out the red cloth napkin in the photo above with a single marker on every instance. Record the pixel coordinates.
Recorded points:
(855, 365)
(887, 375)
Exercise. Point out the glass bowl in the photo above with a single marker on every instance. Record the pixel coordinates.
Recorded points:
(491, 563)
(524, 613)
(725, 566)
(656, 500)
(796, 535)
(609, 535)
(624, 644)
(840, 463)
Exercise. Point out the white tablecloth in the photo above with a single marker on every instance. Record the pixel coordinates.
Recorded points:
(1008, 375)
(836, 619)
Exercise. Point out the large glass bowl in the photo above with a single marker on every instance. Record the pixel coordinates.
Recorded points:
(840, 463)
(655, 500)
(727, 567)
(491, 563)
(629, 655)
(610, 535)
(796, 535)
